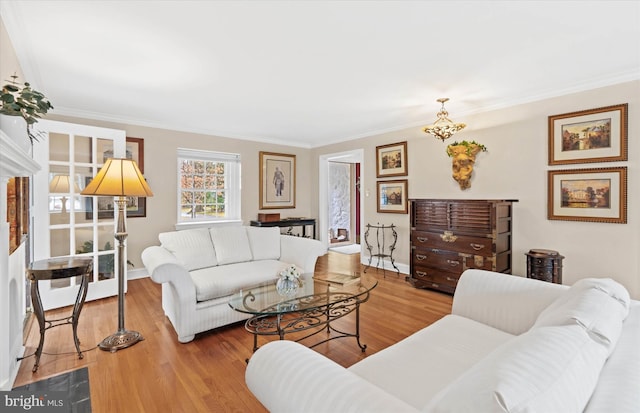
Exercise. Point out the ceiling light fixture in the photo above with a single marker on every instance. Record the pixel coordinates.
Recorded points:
(443, 128)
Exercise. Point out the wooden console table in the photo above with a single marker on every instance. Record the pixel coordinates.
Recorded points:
(54, 269)
(289, 223)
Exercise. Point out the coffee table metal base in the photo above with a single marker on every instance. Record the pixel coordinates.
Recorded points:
(319, 319)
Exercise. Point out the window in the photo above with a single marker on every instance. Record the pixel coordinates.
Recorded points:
(208, 186)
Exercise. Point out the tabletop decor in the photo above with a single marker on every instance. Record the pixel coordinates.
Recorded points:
(288, 281)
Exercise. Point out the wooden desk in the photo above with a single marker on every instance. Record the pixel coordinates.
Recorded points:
(53, 269)
(289, 222)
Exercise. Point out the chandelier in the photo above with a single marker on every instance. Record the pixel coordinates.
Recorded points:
(443, 128)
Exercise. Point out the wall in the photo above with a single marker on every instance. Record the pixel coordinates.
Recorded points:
(160, 170)
(515, 167)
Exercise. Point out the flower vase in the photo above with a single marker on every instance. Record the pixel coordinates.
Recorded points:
(287, 287)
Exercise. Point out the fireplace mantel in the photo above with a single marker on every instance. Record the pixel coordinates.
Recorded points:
(14, 161)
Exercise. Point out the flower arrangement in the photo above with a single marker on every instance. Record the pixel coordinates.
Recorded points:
(291, 273)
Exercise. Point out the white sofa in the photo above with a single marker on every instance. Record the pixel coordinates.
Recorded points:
(511, 344)
(199, 270)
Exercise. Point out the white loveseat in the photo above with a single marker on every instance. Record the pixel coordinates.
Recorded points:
(199, 270)
(511, 344)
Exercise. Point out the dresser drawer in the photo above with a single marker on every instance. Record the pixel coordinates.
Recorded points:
(478, 262)
(449, 260)
(453, 242)
(452, 261)
(423, 277)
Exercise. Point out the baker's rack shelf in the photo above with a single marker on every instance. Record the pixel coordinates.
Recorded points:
(382, 248)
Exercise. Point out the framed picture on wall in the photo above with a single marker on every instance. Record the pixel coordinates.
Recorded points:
(136, 206)
(593, 195)
(392, 196)
(391, 160)
(277, 180)
(595, 135)
(134, 150)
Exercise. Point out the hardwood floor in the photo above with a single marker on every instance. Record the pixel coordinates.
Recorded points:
(207, 374)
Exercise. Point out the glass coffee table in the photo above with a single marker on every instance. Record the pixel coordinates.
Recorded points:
(316, 305)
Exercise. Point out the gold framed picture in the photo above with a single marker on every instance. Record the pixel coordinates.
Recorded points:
(595, 135)
(592, 195)
(391, 160)
(277, 180)
(392, 196)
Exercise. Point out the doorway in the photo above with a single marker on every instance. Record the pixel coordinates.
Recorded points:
(340, 198)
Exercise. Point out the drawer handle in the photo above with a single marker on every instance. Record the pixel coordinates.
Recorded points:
(422, 239)
(451, 279)
(453, 263)
(448, 236)
(421, 257)
(434, 285)
(421, 273)
(477, 247)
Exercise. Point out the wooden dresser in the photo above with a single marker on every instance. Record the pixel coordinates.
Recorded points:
(449, 236)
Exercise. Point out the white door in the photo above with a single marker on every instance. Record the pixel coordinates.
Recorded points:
(66, 224)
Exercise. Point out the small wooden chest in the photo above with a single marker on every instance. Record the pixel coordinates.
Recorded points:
(268, 217)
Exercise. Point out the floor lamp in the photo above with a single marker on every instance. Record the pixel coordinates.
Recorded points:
(119, 178)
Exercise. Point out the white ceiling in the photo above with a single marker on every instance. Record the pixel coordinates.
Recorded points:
(310, 73)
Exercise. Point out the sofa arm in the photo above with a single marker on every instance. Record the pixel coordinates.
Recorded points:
(507, 302)
(303, 252)
(164, 268)
(154, 256)
(286, 376)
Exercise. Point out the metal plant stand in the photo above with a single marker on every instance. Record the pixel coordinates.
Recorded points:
(381, 245)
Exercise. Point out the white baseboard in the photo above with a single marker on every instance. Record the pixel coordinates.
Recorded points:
(136, 274)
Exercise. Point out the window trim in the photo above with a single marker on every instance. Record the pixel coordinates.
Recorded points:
(233, 177)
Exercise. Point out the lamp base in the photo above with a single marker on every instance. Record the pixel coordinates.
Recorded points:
(121, 339)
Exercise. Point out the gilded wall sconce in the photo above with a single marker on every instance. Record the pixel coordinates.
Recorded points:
(464, 156)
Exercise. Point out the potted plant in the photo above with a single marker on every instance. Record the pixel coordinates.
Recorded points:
(25, 102)
(464, 156)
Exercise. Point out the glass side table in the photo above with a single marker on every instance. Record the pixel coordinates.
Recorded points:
(53, 269)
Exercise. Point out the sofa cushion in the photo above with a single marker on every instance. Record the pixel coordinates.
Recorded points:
(192, 247)
(224, 280)
(597, 305)
(264, 242)
(421, 365)
(548, 369)
(231, 244)
(619, 380)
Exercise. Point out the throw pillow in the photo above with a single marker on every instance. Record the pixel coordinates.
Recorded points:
(231, 244)
(264, 242)
(598, 305)
(192, 247)
(548, 369)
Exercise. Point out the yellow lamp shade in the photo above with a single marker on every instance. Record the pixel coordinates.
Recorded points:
(118, 177)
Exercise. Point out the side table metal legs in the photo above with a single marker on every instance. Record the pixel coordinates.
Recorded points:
(45, 324)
